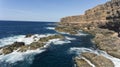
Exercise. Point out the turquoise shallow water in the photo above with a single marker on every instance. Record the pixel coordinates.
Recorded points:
(56, 55)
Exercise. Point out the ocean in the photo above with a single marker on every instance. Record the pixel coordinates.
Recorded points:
(58, 54)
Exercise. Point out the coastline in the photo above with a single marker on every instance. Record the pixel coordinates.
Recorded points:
(105, 28)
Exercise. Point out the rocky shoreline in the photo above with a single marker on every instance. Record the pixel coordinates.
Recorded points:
(103, 22)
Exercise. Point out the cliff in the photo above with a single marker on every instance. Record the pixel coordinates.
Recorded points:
(102, 21)
(105, 13)
(104, 16)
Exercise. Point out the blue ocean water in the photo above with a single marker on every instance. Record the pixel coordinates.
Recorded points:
(55, 55)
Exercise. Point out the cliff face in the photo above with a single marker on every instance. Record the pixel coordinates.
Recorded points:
(107, 12)
(104, 16)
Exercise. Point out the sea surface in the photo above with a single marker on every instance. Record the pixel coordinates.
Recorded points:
(58, 54)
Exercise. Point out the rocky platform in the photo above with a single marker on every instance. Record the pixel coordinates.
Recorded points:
(94, 60)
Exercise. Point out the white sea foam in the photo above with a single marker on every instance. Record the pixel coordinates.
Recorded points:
(20, 56)
(70, 38)
(81, 34)
(29, 54)
(58, 41)
(50, 28)
(78, 51)
(21, 38)
(10, 40)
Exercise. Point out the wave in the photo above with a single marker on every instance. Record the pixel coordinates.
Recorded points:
(78, 51)
(50, 28)
(21, 38)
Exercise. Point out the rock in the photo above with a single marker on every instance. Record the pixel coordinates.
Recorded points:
(105, 16)
(36, 45)
(114, 53)
(46, 39)
(98, 60)
(101, 61)
(82, 63)
(67, 29)
(28, 35)
(7, 50)
(88, 55)
(10, 48)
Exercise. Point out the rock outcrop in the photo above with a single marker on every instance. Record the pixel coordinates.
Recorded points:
(22, 47)
(104, 13)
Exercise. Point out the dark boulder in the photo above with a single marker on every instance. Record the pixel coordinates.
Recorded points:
(28, 35)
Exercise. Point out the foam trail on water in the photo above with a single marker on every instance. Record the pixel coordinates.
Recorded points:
(50, 28)
(58, 41)
(69, 38)
(78, 51)
(64, 33)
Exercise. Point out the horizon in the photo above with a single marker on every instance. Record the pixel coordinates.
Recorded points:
(43, 10)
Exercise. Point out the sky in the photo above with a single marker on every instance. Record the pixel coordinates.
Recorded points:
(44, 10)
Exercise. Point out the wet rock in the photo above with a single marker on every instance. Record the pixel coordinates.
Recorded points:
(98, 60)
(71, 28)
(10, 48)
(28, 35)
(82, 63)
(114, 53)
(36, 45)
(46, 39)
